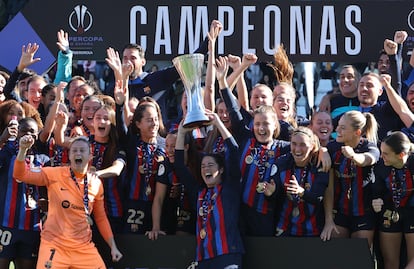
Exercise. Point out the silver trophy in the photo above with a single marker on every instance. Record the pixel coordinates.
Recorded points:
(190, 67)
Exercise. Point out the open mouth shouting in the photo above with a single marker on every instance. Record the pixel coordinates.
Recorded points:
(284, 108)
(262, 136)
(208, 176)
(324, 132)
(411, 103)
(78, 160)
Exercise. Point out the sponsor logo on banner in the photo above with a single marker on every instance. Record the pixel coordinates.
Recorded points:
(80, 20)
(410, 19)
(409, 42)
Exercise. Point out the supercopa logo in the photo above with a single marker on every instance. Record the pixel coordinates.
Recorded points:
(80, 20)
(410, 19)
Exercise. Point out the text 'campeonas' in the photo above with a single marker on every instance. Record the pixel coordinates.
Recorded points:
(301, 25)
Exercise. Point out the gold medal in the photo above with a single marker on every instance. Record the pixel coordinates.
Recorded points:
(395, 216)
(148, 190)
(387, 214)
(295, 212)
(386, 224)
(89, 220)
(203, 233)
(260, 187)
(248, 159)
(141, 169)
(200, 211)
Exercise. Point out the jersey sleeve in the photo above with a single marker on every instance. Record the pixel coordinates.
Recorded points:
(100, 215)
(35, 176)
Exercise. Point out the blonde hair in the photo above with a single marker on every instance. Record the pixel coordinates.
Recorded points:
(282, 67)
(309, 133)
(365, 122)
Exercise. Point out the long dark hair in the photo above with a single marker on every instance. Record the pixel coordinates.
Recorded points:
(112, 145)
(399, 142)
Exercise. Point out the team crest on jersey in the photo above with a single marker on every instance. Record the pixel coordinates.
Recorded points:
(161, 170)
(147, 90)
(273, 171)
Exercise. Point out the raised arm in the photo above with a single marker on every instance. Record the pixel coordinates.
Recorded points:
(399, 38)
(183, 173)
(398, 104)
(51, 116)
(237, 122)
(209, 89)
(20, 173)
(26, 60)
(61, 123)
(237, 76)
(65, 55)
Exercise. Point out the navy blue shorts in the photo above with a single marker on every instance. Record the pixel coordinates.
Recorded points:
(253, 223)
(177, 219)
(16, 243)
(405, 224)
(226, 261)
(186, 222)
(356, 223)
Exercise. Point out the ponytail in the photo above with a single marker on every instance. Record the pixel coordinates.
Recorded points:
(371, 128)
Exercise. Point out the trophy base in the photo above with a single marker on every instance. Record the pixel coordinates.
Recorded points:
(196, 124)
(195, 118)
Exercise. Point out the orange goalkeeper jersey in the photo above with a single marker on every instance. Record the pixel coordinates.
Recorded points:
(66, 224)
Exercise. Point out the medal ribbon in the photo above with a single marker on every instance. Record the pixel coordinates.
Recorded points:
(396, 187)
(98, 150)
(302, 180)
(206, 204)
(262, 162)
(148, 161)
(85, 192)
(247, 151)
(352, 174)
